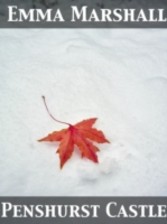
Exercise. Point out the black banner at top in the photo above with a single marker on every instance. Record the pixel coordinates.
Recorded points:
(83, 14)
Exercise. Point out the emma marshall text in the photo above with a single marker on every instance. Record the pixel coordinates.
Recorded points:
(85, 14)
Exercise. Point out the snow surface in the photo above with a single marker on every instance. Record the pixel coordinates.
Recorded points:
(119, 76)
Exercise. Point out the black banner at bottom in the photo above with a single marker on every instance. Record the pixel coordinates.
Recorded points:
(102, 210)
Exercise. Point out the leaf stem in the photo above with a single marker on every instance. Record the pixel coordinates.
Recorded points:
(62, 122)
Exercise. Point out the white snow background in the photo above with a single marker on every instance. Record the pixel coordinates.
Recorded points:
(119, 76)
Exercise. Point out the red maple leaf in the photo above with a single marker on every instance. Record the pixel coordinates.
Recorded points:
(81, 134)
